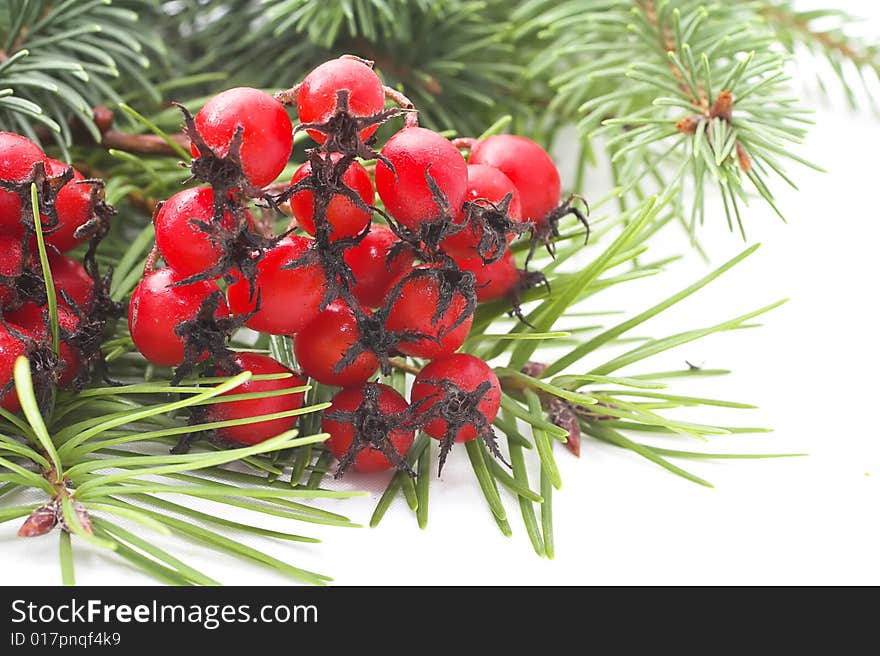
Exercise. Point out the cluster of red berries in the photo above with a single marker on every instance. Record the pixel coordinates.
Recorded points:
(363, 285)
(72, 211)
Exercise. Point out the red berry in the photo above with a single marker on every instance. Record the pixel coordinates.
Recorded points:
(30, 318)
(10, 265)
(379, 429)
(372, 271)
(485, 183)
(18, 155)
(10, 349)
(323, 343)
(71, 277)
(494, 280)
(346, 218)
(185, 246)
(415, 153)
(316, 98)
(268, 134)
(289, 298)
(157, 307)
(528, 166)
(73, 206)
(255, 432)
(414, 310)
(467, 374)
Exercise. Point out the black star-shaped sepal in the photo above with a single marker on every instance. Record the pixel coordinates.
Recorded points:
(343, 129)
(460, 408)
(545, 230)
(373, 429)
(208, 333)
(494, 224)
(224, 173)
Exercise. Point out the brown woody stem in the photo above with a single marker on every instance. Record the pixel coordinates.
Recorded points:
(403, 365)
(412, 116)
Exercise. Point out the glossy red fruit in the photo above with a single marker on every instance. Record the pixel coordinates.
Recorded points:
(372, 271)
(11, 347)
(254, 432)
(17, 157)
(415, 152)
(184, 245)
(343, 434)
(528, 166)
(485, 183)
(10, 265)
(157, 307)
(494, 280)
(346, 218)
(71, 277)
(289, 298)
(322, 344)
(316, 98)
(267, 139)
(467, 373)
(413, 310)
(30, 319)
(73, 205)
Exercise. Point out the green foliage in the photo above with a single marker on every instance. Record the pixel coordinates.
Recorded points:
(97, 455)
(61, 59)
(610, 407)
(455, 59)
(648, 80)
(642, 79)
(827, 34)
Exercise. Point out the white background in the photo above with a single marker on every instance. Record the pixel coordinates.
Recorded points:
(813, 369)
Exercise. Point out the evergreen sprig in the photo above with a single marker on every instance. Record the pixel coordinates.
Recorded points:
(606, 405)
(678, 92)
(645, 81)
(455, 59)
(828, 35)
(93, 453)
(59, 60)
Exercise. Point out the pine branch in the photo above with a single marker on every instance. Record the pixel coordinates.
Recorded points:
(594, 400)
(679, 92)
(826, 33)
(454, 58)
(60, 60)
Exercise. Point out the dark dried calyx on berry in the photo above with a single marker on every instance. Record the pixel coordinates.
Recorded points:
(545, 230)
(373, 428)
(426, 240)
(451, 281)
(459, 408)
(527, 280)
(47, 195)
(338, 275)
(375, 338)
(200, 415)
(46, 368)
(98, 225)
(240, 246)
(325, 181)
(27, 285)
(343, 129)
(495, 225)
(224, 173)
(208, 333)
(88, 336)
